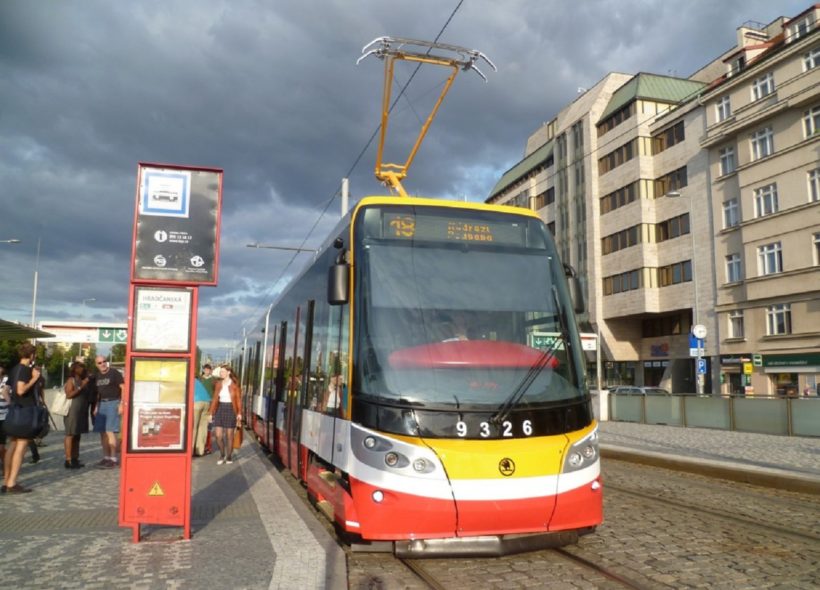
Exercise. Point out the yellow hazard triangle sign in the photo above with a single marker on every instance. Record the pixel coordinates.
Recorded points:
(156, 490)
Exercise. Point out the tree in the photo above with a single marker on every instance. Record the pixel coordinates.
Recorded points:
(118, 353)
(8, 352)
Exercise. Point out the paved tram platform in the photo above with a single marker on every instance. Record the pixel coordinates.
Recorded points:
(250, 530)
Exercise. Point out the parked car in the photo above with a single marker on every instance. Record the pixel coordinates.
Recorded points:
(636, 389)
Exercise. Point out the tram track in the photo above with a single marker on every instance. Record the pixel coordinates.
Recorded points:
(602, 570)
(799, 535)
(421, 573)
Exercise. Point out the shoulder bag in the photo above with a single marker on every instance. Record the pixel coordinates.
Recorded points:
(61, 404)
(25, 421)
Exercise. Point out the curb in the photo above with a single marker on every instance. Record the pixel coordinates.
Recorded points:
(759, 476)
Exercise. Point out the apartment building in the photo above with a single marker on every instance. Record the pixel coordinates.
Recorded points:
(763, 143)
(637, 178)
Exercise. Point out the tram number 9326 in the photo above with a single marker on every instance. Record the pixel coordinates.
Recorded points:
(485, 429)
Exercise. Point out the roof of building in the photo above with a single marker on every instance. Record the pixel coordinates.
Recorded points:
(12, 331)
(522, 168)
(652, 87)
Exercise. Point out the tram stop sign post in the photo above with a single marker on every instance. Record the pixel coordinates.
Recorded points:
(175, 250)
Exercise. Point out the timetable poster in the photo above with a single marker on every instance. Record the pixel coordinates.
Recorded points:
(158, 408)
(162, 319)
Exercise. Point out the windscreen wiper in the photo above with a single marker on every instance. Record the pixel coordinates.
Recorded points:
(515, 396)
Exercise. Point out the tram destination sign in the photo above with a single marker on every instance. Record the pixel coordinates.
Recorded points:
(177, 225)
(452, 227)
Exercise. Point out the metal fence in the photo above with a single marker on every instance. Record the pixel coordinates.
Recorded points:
(799, 416)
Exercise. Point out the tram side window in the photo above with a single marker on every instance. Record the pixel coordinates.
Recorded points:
(293, 361)
(334, 367)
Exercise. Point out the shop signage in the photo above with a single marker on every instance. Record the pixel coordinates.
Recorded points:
(791, 360)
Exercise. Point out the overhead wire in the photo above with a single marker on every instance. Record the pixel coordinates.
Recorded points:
(353, 166)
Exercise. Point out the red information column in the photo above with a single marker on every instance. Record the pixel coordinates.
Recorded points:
(175, 249)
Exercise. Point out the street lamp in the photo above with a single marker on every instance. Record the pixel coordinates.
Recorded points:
(11, 241)
(698, 330)
(272, 247)
(89, 300)
(36, 277)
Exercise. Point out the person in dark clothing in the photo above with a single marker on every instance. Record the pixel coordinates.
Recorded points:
(78, 388)
(22, 382)
(39, 390)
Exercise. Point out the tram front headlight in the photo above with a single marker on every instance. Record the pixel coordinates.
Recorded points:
(391, 459)
(420, 465)
(582, 453)
(370, 442)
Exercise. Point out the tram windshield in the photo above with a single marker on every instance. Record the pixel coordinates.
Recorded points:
(460, 308)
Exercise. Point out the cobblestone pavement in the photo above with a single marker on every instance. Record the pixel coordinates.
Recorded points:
(791, 453)
(247, 527)
(662, 529)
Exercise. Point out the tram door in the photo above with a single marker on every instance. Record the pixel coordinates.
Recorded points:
(298, 466)
(279, 438)
(269, 390)
(292, 388)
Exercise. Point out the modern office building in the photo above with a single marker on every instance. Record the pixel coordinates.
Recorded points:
(637, 178)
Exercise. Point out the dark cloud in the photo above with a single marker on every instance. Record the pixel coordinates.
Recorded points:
(269, 91)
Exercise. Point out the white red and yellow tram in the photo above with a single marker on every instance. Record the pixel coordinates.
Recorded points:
(424, 375)
(424, 378)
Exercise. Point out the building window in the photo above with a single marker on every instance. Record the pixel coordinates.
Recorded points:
(673, 181)
(814, 185)
(551, 228)
(816, 249)
(736, 66)
(736, 324)
(734, 270)
(762, 86)
(811, 121)
(620, 240)
(616, 118)
(618, 156)
(667, 138)
(766, 200)
(625, 281)
(619, 198)
(680, 272)
(762, 143)
(799, 29)
(727, 160)
(672, 228)
(811, 59)
(769, 259)
(731, 213)
(778, 319)
(723, 109)
(544, 199)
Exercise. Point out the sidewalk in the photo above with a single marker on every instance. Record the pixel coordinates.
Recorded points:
(249, 530)
(785, 462)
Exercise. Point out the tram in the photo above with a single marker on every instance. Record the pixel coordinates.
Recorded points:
(424, 378)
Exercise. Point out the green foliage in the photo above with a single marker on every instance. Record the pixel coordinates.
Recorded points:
(8, 352)
(117, 353)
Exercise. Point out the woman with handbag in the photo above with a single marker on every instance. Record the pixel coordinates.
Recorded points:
(22, 382)
(226, 413)
(78, 389)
